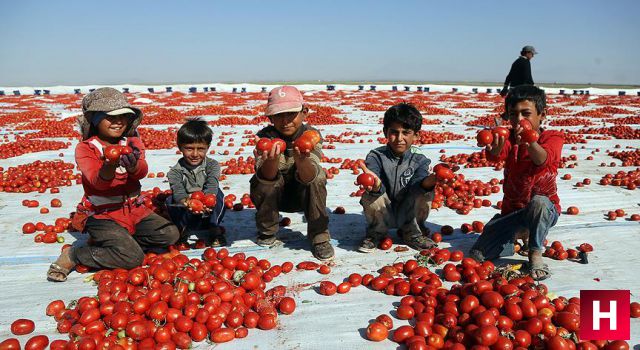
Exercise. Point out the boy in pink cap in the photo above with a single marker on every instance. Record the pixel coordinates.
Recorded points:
(290, 180)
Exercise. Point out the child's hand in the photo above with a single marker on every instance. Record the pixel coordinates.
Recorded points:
(496, 146)
(519, 140)
(299, 156)
(377, 183)
(130, 161)
(190, 209)
(273, 154)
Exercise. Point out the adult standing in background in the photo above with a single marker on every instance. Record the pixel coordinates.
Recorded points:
(520, 73)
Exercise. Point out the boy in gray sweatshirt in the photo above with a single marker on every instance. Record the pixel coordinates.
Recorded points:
(196, 172)
(403, 191)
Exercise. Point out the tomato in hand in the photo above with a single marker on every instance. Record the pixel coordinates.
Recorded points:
(209, 200)
(529, 136)
(304, 144)
(484, 137)
(366, 180)
(112, 153)
(525, 124)
(282, 146)
(264, 145)
(501, 131)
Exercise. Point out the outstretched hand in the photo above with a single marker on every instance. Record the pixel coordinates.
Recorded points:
(377, 183)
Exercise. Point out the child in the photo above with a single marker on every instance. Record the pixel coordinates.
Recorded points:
(531, 204)
(111, 211)
(196, 172)
(287, 179)
(403, 190)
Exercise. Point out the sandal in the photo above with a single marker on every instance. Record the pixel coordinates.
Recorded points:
(541, 271)
(55, 271)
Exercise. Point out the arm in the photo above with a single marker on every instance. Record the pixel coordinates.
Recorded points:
(212, 183)
(141, 168)
(373, 166)
(541, 154)
(178, 190)
(507, 80)
(95, 170)
(267, 163)
(308, 164)
(527, 72)
(498, 150)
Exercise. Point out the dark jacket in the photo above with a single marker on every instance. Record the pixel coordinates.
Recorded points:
(184, 180)
(520, 73)
(399, 175)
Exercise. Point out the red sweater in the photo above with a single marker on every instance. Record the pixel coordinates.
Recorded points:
(523, 179)
(114, 193)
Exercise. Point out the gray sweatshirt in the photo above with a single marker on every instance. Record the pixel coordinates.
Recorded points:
(185, 179)
(399, 175)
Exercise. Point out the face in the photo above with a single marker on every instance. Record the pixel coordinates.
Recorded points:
(529, 55)
(113, 126)
(194, 153)
(525, 110)
(288, 123)
(399, 138)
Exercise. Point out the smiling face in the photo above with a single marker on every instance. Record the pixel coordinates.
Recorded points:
(113, 126)
(525, 110)
(194, 153)
(288, 123)
(399, 139)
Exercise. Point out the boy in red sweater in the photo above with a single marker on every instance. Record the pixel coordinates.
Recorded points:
(531, 205)
(112, 211)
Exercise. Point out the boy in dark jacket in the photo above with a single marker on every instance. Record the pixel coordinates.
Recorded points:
(290, 180)
(196, 172)
(403, 191)
(531, 205)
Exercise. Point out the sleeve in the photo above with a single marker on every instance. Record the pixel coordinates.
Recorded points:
(89, 164)
(553, 147)
(503, 154)
(507, 80)
(178, 190)
(527, 72)
(212, 171)
(421, 172)
(143, 166)
(374, 164)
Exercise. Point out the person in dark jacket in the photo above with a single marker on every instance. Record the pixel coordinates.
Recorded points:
(520, 73)
(196, 172)
(403, 191)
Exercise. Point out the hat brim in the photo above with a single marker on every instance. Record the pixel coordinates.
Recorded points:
(121, 111)
(283, 108)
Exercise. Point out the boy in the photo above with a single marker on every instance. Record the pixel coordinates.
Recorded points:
(531, 205)
(196, 172)
(288, 179)
(403, 190)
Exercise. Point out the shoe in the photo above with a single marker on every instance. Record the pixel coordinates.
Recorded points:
(266, 240)
(368, 245)
(424, 229)
(218, 238)
(417, 241)
(323, 251)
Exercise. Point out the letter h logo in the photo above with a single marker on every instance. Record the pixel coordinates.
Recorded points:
(604, 314)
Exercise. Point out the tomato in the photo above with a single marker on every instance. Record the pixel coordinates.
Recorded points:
(198, 332)
(556, 343)
(402, 333)
(385, 243)
(617, 345)
(182, 340)
(533, 326)
(567, 320)
(137, 330)
(250, 281)
(386, 320)
(525, 124)
(324, 269)
(328, 288)
(444, 174)
(266, 322)
(28, 228)
(355, 279)
(492, 299)
(38, 342)
(486, 335)
(264, 145)
(304, 144)
(10, 344)
(485, 318)
(313, 135)
(484, 137)
(635, 309)
(522, 338)
(22, 326)
(376, 331)
(501, 131)
(405, 312)
(573, 211)
(435, 340)
(366, 180)
(287, 305)
(209, 200)
(529, 136)
(282, 146)
(196, 205)
(58, 344)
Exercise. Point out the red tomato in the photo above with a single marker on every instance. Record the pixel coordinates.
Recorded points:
(405, 312)
(366, 180)
(386, 320)
(264, 145)
(196, 205)
(529, 136)
(344, 287)
(487, 335)
(38, 342)
(22, 326)
(328, 288)
(444, 174)
(376, 331)
(304, 144)
(112, 153)
(10, 344)
(484, 137)
(209, 200)
(287, 305)
(324, 269)
(525, 124)
(280, 142)
(403, 333)
(501, 131)
(267, 321)
(386, 243)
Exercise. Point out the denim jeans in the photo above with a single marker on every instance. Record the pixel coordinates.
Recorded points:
(187, 221)
(498, 237)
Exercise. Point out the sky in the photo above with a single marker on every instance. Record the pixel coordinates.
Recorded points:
(45, 43)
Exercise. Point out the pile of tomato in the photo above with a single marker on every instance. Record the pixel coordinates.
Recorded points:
(473, 160)
(23, 145)
(38, 176)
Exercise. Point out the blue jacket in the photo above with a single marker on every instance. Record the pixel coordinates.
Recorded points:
(399, 175)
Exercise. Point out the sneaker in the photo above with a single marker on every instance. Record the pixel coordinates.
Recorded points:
(266, 240)
(417, 241)
(368, 245)
(323, 251)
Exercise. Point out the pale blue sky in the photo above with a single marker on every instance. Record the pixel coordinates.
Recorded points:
(109, 42)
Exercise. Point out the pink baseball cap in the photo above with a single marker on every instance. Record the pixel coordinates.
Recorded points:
(284, 99)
